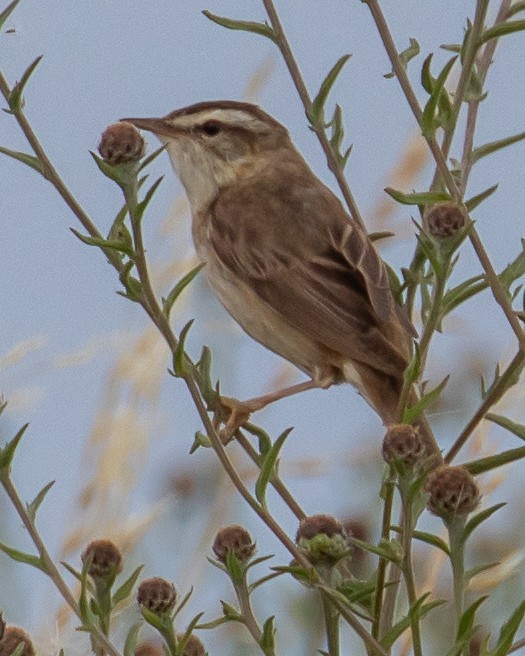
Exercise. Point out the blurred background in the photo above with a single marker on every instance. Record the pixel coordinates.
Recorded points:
(85, 368)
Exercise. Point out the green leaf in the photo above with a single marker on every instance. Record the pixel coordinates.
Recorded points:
(125, 589)
(245, 26)
(413, 369)
(200, 439)
(465, 290)
(358, 592)
(418, 408)
(267, 641)
(22, 557)
(234, 567)
(15, 98)
(269, 467)
(466, 623)
(131, 639)
(423, 198)
(147, 160)
(8, 452)
(493, 146)
(132, 286)
(501, 29)
(29, 160)
(472, 573)
(100, 242)
(338, 131)
(433, 540)
(167, 304)
(230, 612)
(508, 631)
(179, 356)
(514, 270)
(405, 56)
(139, 210)
(473, 202)
(33, 507)
(480, 517)
(428, 120)
(417, 610)
(316, 112)
(513, 427)
(7, 12)
(390, 550)
(427, 81)
(493, 462)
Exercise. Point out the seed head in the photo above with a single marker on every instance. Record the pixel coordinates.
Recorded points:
(322, 538)
(157, 595)
(233, 538)
(444, 220)
(453, 492)
(11, 638)
(104, 557)
(149, 648)
(403, 443)
(193, 647)
(121, 143)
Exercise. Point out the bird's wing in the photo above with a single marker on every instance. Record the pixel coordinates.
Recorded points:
(313, 266)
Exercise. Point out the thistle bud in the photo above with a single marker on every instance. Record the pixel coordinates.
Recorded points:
(322, 538)
(403, 443)
(157, 595)
(193, 647)
(12, 636)
(444, 220)
(236, 539)
(121, 143)
(453, 492)
(104, 558)
(149, 648)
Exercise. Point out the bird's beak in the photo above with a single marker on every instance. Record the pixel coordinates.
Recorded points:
(159, 126)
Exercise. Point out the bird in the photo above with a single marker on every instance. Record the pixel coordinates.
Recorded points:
(284, 258)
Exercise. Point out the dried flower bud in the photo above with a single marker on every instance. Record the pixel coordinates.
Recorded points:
(322, 538)
(157, 595)
(121, 143)
(403, 443)
(193, 647)
(453, 492)
(104, 558)
(11, 638)
(233, 538)
(444, 220)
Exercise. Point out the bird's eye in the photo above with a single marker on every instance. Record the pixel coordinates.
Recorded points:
(211, 128)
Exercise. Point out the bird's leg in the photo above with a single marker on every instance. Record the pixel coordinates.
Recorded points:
(240, 411)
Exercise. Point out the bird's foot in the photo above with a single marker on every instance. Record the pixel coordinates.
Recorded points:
(240, 412)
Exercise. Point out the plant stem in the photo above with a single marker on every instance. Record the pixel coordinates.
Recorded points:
(457, 559)
(332, 625)
(408, 571)
(377, 627)
(497, 289)
(319, 130)
(51, 569)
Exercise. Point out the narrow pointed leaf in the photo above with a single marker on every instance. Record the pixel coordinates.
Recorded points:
(514, 270)
(100, 242)
(501, 29)
(472, 573)
(141, 207)
(122, 174)
(179, 357)
(508, 631)
(29, 160)
(174, 294)
(22, 557)
(494, 146)
(418, 408)
(7, 12)
(405, 56)
(473, 202)
(8, 452)
(463, 292)
(427, 81)
(423, 198)
(267, 641)
(15, 98)
(480, 517)
(245, 26)
(418, 610)
(433, 540)
(268, 467)
(317, 108)
(428, 119)
(147, 160)
(512, 426)
(493, 462)
(125, 589)
(132, 636)
(466, 623)
(32, 508)
(71, 570)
